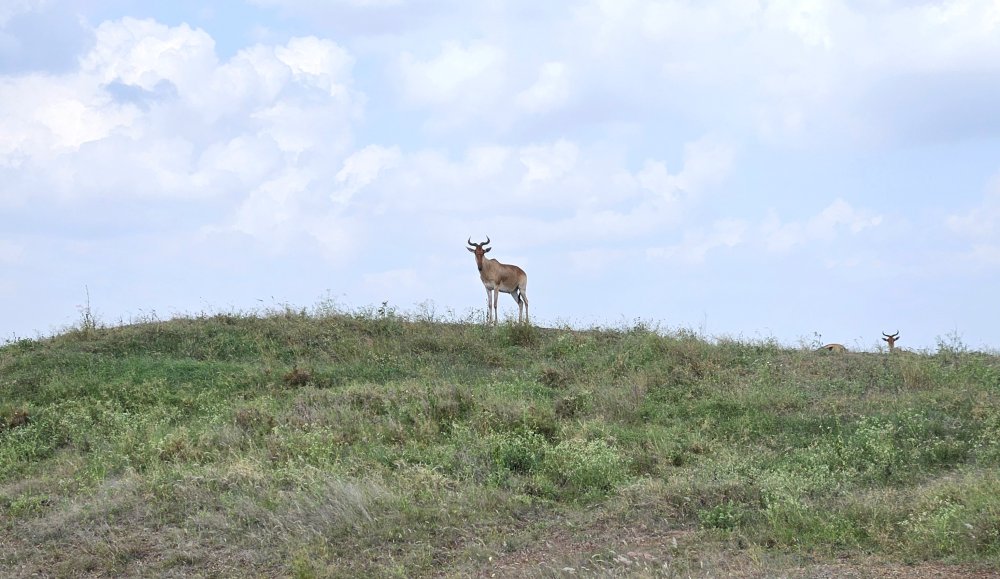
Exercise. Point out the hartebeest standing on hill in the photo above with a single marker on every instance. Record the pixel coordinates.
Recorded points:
(500, 277)
(891, 340)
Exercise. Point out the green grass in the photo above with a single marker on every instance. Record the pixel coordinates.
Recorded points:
(374, 443)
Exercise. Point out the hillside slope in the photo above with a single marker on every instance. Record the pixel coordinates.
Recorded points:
(376, 444)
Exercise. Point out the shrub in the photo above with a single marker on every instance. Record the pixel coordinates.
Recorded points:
(15, 418)
(726, 516)
(297, 378)
(518, 334)
(254, 421)
(584, 470)
(519, 453)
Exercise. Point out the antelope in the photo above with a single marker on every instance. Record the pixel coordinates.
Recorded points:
(839, 348)
(891, 340)
(500, 277)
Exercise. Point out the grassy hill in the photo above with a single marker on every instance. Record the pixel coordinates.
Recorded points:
(371, 443)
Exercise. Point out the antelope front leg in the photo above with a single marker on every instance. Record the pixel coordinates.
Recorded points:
(489, 306)
(496, 303)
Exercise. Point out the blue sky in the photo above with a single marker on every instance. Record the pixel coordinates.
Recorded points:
(798, 169)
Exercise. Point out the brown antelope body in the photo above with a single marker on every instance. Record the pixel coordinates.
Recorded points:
(891, 340)
(500, 277)
(834, 348)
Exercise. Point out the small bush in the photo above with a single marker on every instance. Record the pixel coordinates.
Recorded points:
(14, 418)
(584, 470)
(517, 334)
(254, 421)
(571, 405)
(296, 378)
(726, 516)
(553, 377)
(518, 453)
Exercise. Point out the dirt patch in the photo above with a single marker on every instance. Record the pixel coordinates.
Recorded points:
(624, 549)
(648, 552)
(882, 570)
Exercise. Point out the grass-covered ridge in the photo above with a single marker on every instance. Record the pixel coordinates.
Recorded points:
(378, 444)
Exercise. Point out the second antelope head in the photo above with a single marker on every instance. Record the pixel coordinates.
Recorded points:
(891, 340)
(500, 277)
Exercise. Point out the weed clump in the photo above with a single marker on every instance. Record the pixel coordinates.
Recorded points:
(15, 418)
(254, 421)
(571, 405)
(297, 378)
(517, 334)
(553, 376)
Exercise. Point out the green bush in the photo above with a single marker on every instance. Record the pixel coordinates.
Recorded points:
(517, 452)
(584, 470)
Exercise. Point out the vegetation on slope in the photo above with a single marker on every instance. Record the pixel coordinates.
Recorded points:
(373, 443)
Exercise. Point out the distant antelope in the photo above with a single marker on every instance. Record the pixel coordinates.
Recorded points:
(891, 340)
(839, 348)
(500, 277)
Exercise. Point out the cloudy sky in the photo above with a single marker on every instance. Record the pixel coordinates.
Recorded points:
(792, 169)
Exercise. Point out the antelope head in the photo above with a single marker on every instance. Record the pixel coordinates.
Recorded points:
(480, 251)
(891, 340)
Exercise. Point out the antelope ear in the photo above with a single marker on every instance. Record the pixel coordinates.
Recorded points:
(470, 249)
(885, 339)
(487, 250)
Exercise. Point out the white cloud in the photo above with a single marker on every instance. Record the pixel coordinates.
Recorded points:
(696, 244)
(808, 20)
(463, 76)
(152, 112)
(246, 159)
(983, 222)
(11, 8)
(798, 71)
(486, 162)
(707, 162)
(551, 90)
(317, 62)
(253, 77)
(273, 208)
(964, 32)
(362, 168)
(336, 236)
(246, 148)
(841, 214)
(546, 163)
(826, 226)
(143, 53)
(978, 230)
(41, 116)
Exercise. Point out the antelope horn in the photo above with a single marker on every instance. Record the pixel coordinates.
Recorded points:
(470, 242)
(487, 242)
